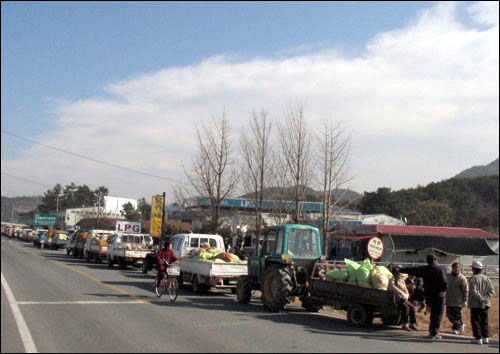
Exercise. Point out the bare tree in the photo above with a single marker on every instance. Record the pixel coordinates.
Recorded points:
(212, 174)
(295, 141)
(281, 191)
(334, 153)
(256, 151)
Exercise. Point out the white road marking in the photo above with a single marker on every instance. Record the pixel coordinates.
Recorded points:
(24, 332)
(77, 302)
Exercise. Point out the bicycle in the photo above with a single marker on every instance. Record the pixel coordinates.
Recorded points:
(169, 282)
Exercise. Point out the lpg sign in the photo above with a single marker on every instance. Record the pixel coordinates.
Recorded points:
(128, 226)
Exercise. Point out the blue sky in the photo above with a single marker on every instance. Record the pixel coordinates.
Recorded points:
(63, 64)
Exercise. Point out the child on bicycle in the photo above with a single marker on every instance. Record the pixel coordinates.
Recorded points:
(165, 255)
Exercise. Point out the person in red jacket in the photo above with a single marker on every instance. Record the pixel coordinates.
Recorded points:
(165, 255)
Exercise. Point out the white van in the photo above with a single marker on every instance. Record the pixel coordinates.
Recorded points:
(184, 243)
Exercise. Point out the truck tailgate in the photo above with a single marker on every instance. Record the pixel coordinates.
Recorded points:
(210, 269)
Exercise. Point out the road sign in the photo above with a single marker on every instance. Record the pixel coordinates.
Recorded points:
(44, 219)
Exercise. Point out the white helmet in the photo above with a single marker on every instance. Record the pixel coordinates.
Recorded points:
(477, 265)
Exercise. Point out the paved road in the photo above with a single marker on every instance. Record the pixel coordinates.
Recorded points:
(69, 305)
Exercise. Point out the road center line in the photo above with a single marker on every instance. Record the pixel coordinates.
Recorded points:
(24, 332)
(77, 302)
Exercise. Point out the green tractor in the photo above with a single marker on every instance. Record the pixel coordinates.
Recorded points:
(282, 267)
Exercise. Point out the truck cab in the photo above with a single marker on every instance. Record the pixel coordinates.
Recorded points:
(184, 243)
(284, 263)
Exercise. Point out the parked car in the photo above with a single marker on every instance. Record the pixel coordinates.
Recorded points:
(59, 240)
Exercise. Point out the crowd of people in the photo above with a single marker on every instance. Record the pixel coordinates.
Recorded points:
(428, 288)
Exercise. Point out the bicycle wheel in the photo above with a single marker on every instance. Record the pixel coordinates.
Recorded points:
(173, 288)
(159, 288)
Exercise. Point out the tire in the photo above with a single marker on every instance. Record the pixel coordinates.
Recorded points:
(173, 289)
(159, 289)
(310, 305)
(122, 264)
(276, 288)
(359, 316)
(243, 290)
(197, 287)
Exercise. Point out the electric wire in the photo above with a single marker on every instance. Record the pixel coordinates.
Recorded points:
(92, 159)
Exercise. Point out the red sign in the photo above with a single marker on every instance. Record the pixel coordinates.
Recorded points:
(375, 248)
(128, 226)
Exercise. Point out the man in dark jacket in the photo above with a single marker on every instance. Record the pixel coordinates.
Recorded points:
(435, 286)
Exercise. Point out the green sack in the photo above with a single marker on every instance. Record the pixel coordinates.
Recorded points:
(207, 255)
(351, 269)
(337, 275)
(384, 270)
(363, 273)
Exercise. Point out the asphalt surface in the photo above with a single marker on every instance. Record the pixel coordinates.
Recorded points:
(69, 305)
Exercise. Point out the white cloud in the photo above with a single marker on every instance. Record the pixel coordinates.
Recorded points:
(485, 12)
(421, 102)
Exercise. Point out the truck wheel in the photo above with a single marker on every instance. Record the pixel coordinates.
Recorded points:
(122, 264)
(276, 288)
(359, 316)
(310, 305)
(243, 290)
(197, 287)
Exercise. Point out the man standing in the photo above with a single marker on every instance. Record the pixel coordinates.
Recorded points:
(480, 292)
(435, 286)
(456, 298)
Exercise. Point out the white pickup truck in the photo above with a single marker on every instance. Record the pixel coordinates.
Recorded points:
(204, 274)
(128, 248)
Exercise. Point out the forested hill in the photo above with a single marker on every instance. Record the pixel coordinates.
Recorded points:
(476, 171)
(457, 202)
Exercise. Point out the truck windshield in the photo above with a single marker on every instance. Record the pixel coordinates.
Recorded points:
(302, 243)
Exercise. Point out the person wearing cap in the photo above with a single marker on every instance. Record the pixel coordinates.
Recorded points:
(456, 298)
(481, 291)
(435, 286)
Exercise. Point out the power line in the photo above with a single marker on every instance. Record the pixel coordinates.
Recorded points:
(25, 179)
(92, 159)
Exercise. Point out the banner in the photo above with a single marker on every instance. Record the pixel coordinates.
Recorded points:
(156, 215)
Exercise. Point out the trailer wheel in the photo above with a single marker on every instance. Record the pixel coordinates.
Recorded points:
(276, 288)
(360, 316)
(243, 290)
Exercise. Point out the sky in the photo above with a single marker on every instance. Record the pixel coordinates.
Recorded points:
(111, 93)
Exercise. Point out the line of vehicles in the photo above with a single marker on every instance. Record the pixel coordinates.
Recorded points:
(289, 265)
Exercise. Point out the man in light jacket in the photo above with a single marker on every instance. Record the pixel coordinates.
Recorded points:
(456, 298)
(481, 291)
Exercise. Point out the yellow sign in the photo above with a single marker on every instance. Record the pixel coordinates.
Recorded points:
(156, 215)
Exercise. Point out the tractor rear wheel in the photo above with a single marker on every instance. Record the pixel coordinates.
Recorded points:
(276, 288)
